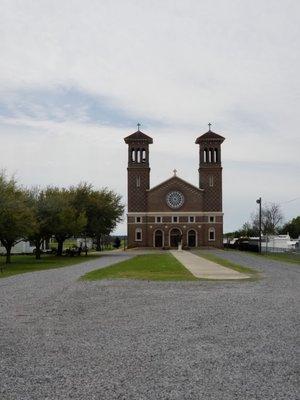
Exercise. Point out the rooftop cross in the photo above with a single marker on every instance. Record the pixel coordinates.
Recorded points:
(138, 126)
(175, 172)
(209, 125)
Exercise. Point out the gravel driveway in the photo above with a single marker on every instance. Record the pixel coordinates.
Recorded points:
(62, 338)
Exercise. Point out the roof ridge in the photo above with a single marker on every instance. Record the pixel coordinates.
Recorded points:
(175, 177)
(138, 135)
(209, 135)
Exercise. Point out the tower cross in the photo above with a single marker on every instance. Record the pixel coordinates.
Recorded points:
(138, 126)
(209, 125)
(175, 172)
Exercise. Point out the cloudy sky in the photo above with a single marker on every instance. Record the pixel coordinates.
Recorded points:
(77, 75)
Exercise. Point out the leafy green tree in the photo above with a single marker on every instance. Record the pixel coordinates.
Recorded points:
(104, 213)
(62, 218)
(102, 207)
(16, 217)
(80, 200)
(41, 230)
(292, 227)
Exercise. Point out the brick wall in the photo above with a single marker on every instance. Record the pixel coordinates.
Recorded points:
(137, 195)
(212, 194)
(157, 196)
(201, 226)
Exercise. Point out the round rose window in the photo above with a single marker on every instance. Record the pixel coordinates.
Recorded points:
(175, 199)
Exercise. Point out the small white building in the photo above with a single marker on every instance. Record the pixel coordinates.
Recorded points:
(21, 247)
(88, 242)
(229, 240)
(279, 243)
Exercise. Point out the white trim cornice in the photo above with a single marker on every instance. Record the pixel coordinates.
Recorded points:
(191, 225)
(174, 213)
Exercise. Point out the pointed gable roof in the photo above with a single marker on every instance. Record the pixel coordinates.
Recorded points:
(175, 179)
(210, 136)
(138, 136)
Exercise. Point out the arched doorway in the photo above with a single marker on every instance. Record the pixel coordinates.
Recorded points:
(158, 238)
(175, 237)
(192, 238)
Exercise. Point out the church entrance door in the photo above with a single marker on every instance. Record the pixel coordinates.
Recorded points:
(175, 236)
(158, 238)
(192, 238)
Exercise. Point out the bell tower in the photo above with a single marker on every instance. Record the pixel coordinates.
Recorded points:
(210, 169)
(138, 171)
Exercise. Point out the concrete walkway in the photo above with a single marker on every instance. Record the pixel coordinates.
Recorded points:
(205, 269)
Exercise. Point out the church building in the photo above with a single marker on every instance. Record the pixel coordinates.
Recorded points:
(175, 210)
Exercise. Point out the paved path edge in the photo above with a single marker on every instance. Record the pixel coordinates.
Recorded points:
(205, 269)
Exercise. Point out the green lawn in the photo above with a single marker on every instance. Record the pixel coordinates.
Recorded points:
(67, 244)
(286, 257)
(24, 263)
(152, 267)
(219, 260)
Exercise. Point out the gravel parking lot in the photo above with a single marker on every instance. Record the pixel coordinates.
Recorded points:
(62, 338)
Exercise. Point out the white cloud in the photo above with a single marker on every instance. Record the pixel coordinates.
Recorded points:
(181, 63)
(204, 58)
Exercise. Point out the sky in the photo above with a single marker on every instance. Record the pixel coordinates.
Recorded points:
(77, 76)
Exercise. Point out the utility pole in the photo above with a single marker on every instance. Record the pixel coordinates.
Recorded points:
(258, 201)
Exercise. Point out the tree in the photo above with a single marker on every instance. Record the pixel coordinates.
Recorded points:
(105, 212)
(80, 200)
(62, 218)
(102, 208)
(271, 218)
(16, 217)
(41, 231)
(292, 227)
(247, 230)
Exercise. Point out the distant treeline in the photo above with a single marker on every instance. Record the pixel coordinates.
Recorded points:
(37, 214)
(271, 224)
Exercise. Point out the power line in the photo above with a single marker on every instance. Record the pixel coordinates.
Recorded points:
(283, 202)
(289, 201)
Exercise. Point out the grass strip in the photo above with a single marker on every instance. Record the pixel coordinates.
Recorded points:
(22, 264)
(152, 267)
(283, 257)
(228, 264)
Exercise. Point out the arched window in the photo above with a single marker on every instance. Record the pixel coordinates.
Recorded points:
(138, 235)
(143, 155)
(211, 155)
(205, 155)
(138, 181)
(138, 155)
(211, 234)
(216, 155)
(133, 159)
(211, 181)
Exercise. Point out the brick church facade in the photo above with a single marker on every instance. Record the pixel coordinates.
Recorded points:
(175, 210)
